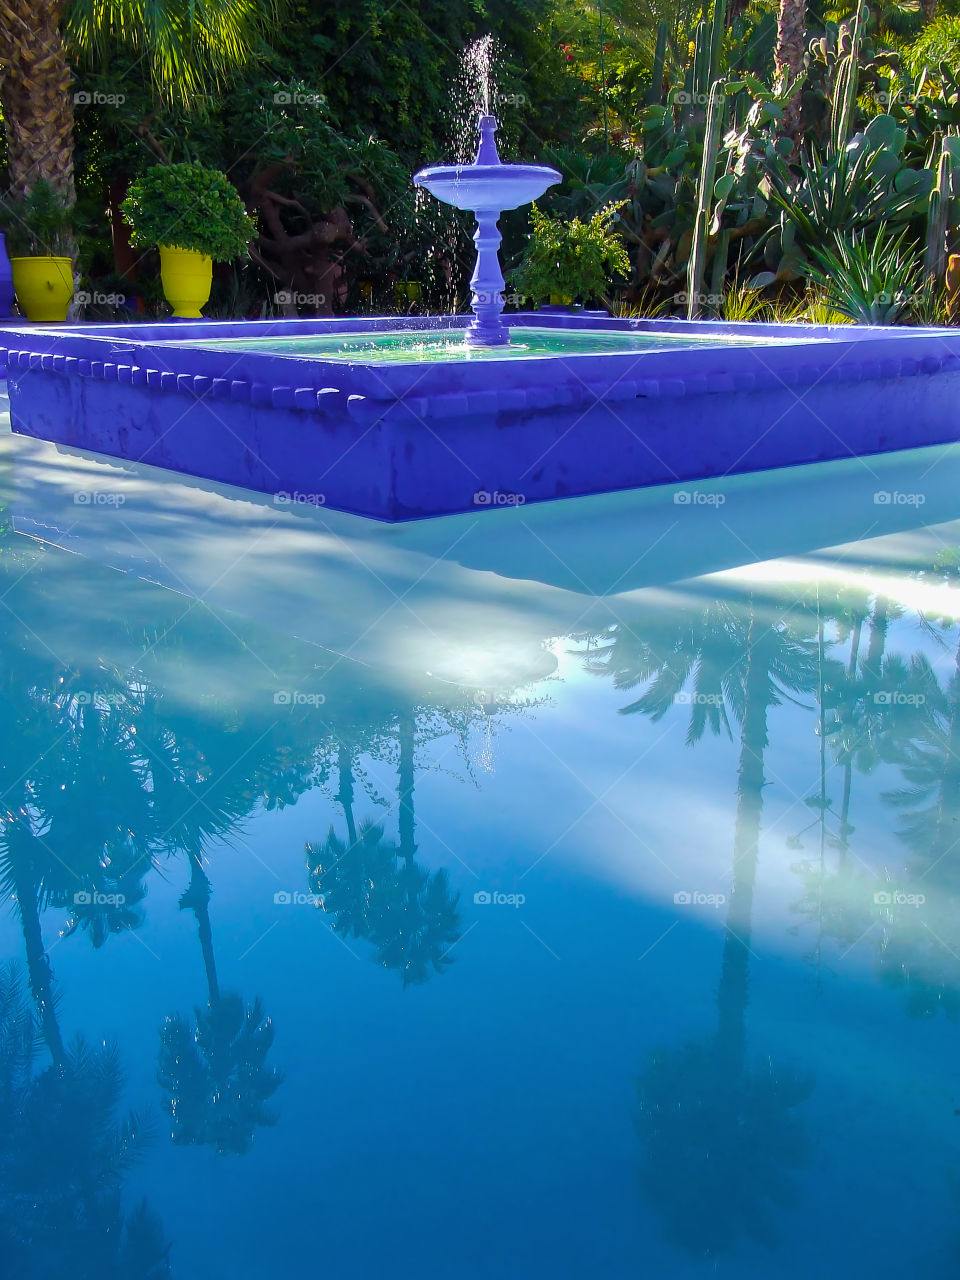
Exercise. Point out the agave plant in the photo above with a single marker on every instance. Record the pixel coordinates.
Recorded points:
(873, 281)
(860, 185)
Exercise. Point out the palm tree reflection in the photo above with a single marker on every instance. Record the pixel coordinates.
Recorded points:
(378, 891)
(63, 1155)
(213, 1067)
(722, 1137)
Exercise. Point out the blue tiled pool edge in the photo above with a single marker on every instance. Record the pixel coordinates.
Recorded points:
(404, 441)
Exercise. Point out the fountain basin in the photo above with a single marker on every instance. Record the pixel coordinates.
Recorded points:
(403, 438)
(487, 188)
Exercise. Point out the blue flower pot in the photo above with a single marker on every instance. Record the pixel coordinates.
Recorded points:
(6, 280)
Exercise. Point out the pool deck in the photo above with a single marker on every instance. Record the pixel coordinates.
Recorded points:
(401, 441)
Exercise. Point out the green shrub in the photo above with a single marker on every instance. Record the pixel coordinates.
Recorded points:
(39, 224)
(188, 206)
(575, 259)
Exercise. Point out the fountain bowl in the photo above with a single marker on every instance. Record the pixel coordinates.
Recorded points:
(487, 188)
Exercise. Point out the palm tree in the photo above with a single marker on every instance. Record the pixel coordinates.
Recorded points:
(789, 53)
(190, 44)
(36, 95)
(213, 1068)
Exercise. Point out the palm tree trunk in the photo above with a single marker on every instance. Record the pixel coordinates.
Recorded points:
(948, 798)
(38, 966)
(406, 778)
(345, 793)
(879, 621)
(36, 95)
(788, 57)
(733, 991)
(197, 898)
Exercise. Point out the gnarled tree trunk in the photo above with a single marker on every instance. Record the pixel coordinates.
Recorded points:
(36, 95)
(791, 46)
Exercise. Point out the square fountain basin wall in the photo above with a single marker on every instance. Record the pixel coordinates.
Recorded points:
(402, 440)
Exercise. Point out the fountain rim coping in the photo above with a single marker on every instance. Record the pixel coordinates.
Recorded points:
(815, 354)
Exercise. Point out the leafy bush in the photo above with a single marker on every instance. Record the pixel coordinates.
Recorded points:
(572, 259)
(188, 206)
(39, 224)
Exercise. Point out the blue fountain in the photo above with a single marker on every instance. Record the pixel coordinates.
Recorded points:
(487, 188)
(401, 417)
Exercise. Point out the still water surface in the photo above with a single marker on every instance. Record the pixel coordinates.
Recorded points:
(553, 893)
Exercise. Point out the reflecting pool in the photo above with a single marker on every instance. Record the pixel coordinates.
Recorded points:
(552, 893)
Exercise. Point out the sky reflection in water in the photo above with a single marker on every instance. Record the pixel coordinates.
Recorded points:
(639, 957)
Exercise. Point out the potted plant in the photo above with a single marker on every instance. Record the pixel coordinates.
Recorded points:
(566, 261)
(39, 232)
(193, 215)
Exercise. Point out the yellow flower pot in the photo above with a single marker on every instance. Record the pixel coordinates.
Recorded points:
(44, 287)
(186, 276)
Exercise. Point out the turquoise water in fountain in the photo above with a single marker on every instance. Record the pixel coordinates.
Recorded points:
(449, 344)
(551, 893)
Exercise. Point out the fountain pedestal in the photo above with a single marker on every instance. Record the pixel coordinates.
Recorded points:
(487, 188)
(487, 284)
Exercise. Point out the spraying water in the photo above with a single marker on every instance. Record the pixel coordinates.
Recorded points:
(478, 63)
(474, 93)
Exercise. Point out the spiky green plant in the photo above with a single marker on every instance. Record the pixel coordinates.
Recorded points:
(930, 305)
(872, 280)
(938, 218)
(740, 302)
(696, 265)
